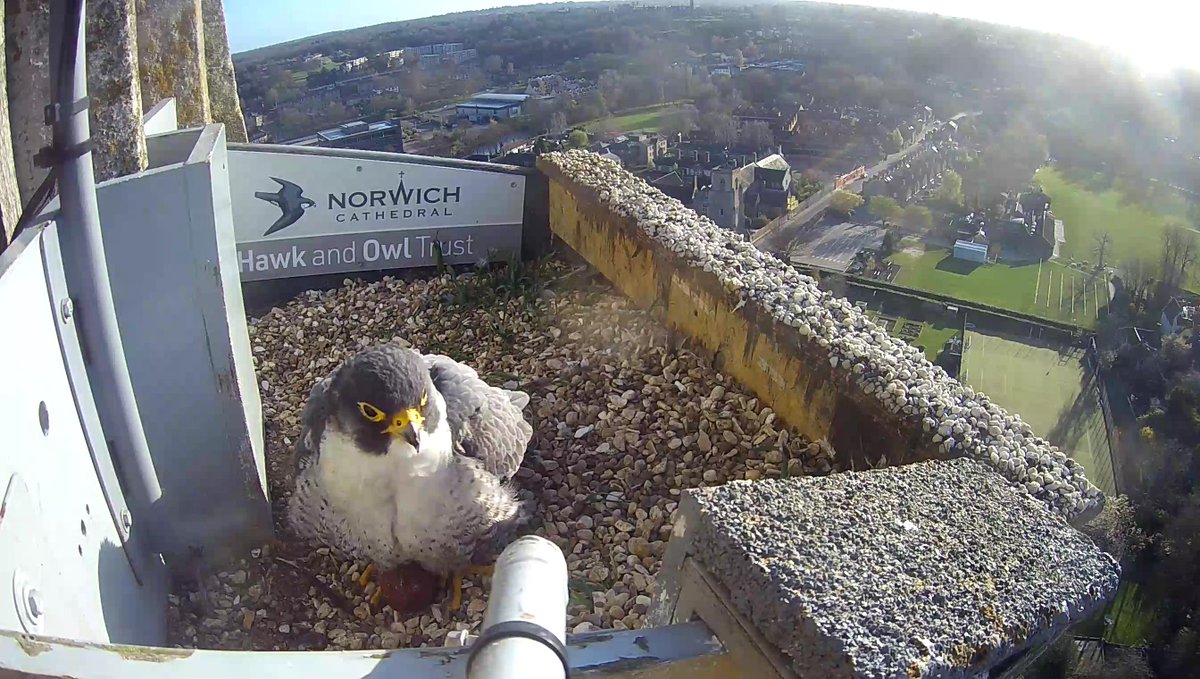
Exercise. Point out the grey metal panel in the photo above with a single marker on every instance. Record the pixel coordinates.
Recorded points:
(231, 288)
(167, 237)
(161, 118)
(171, 148)
(61, 558)
(597, 654)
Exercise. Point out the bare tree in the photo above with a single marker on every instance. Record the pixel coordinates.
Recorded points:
(720, 128)
(1103, 241)
(606, 129)
(756, 135)
(682, 120)
(558, 122)
(1138, 277)
(1177, 256)
(1116, 529)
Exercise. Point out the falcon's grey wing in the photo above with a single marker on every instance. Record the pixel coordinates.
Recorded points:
(486, 421)
(312, 423)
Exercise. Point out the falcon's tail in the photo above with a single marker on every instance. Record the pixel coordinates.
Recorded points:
(520, 523)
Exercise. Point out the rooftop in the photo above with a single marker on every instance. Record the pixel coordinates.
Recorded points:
(347, 130)
(499, 96)
(773, 162)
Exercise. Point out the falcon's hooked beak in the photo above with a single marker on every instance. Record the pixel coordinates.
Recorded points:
(407, 425)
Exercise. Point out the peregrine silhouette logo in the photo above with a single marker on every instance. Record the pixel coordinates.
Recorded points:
(291, 203)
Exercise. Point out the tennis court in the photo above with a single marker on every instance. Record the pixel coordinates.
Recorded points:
(1052, 389)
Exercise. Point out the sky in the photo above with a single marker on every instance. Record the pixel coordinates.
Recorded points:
(1156, 34)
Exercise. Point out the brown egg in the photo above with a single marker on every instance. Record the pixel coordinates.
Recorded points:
(409, 588)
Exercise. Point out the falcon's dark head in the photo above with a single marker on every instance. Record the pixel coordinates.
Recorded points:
(384, 395)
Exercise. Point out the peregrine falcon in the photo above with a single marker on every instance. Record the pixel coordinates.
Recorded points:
(404, 458)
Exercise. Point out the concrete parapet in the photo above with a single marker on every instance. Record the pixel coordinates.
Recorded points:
(936, 569)
(823, 366)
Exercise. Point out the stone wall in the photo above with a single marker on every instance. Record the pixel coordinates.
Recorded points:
(138, 52)
(897, 572)
(822, 365)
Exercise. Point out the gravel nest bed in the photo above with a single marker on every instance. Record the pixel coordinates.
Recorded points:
(624, 417)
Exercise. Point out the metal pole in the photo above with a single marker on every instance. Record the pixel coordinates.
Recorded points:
(87, 270)
(524, 628)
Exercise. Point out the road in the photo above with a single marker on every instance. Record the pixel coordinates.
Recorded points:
(777, 236)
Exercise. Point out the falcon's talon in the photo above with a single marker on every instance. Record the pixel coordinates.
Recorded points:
(481, 570)
(366, 575)
(456, 585)
(375, 599)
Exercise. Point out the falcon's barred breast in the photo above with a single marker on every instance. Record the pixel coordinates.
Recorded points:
(406, 458)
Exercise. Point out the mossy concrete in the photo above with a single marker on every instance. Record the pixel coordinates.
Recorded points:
(171, 58)
(222, 84)
(10, 197)
(114, 89)
(27, 51)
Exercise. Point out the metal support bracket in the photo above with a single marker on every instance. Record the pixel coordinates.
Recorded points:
(72, 350)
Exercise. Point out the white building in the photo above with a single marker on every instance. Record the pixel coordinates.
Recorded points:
(489, 105)
(1176, 316)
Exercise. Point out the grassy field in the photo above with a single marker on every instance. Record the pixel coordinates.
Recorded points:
(1132, 614)
(1136, 229)
(1051, 390)
(933, 337)
(1047, 290)
(642, 120)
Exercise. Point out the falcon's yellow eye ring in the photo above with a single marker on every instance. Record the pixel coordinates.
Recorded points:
(371, 412)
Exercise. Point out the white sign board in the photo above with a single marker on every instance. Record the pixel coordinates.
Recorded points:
(301, 215)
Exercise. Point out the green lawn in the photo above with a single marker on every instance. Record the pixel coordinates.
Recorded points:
(1135, 229)
(643, 120)
(1050, 388)
(933, 337)
(1132, 615)
(1047, 290)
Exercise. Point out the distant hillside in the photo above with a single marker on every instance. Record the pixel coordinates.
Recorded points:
(369, 34)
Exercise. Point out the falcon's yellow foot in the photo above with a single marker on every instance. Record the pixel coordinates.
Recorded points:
(366, 575)
(456, 585)
(456, 582)
(364, 579)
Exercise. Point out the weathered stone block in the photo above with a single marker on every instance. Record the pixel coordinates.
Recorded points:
(171, 57)
(936, 569)
(27, 48)
(10, 194)
(222, 85)
(114, 89)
